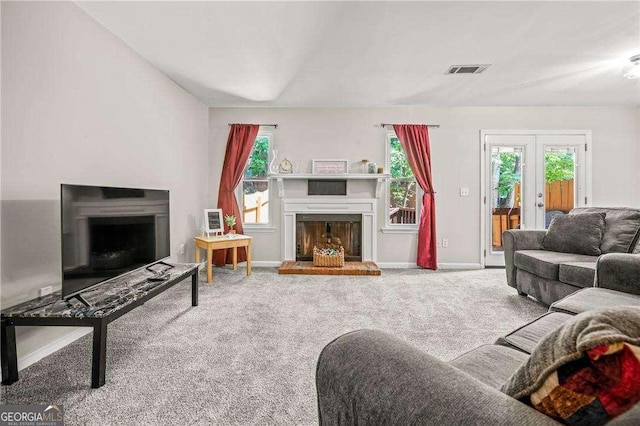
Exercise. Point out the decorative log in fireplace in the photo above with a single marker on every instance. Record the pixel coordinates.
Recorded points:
(329, 230)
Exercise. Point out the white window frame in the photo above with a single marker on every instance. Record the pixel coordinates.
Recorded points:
(398, 228)
(260, 227)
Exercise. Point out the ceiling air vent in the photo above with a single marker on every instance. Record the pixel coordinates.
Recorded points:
(467, 69)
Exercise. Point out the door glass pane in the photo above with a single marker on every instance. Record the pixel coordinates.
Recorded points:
(559, 173)
(506, 194)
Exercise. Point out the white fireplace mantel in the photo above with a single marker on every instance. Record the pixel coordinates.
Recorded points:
(325, 205)
(380, 178)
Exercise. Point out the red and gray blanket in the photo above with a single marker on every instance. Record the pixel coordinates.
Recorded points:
(585, 372)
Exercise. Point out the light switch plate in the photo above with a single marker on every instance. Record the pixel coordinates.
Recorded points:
(464, 192)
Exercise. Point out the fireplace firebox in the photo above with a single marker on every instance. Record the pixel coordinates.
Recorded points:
(329, 231)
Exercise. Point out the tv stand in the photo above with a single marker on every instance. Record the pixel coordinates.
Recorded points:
(154, 267)
(95, 308)
(80, 299)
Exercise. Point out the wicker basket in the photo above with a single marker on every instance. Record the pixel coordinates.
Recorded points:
(320, 259)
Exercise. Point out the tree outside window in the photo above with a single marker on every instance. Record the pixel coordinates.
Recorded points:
(403, 200)
(255, 183)
(559, 167)
(509, 168)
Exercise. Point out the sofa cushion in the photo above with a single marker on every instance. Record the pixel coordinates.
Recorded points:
(593, 298)
(527, 337)
(586, 371)
(491, 364)
(547, 263)
(621, 229)
(580, 274)
(576, 233)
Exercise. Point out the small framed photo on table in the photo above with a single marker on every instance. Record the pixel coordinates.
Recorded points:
(213, 223)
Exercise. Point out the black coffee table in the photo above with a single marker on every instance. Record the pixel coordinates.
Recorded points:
(107, 301)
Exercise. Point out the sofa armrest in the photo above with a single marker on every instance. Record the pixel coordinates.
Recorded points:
(618, 271)
(368, 377)
(519, 239)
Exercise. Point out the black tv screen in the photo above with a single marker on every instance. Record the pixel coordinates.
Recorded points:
(107, 232)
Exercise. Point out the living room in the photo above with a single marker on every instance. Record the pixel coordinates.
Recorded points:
(90, 97)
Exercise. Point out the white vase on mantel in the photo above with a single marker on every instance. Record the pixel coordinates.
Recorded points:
(273, 166)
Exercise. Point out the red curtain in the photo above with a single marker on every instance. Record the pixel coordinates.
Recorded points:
(415, 142)
(239, 146)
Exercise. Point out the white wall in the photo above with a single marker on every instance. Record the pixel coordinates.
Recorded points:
(78, 106)
(305, 134)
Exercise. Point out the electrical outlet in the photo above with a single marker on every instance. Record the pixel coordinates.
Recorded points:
(445, 243)
(181, 248)
(45, 290)
(464, 192)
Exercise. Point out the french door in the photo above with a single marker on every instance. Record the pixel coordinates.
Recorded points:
(529, 177)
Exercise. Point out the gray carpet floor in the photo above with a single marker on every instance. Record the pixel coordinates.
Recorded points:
(247, 353)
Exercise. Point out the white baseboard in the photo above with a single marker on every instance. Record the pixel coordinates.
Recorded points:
(256, 263)
(396, 265)
(407, 265)
(460, 266)
(383, 265)
(46, 350)
(265, 263)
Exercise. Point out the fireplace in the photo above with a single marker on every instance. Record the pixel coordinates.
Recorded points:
(360, 211)
(329, 231)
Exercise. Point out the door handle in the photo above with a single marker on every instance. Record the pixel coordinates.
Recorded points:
(540, 204)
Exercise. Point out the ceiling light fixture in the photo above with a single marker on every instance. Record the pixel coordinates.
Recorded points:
(634, 70)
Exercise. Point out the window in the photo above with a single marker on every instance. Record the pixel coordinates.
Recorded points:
(254, 187)
(403, 194)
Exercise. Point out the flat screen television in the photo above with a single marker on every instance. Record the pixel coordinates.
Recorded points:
(108, 232)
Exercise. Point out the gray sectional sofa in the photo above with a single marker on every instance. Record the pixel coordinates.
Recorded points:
(603, 244)
(369, 377)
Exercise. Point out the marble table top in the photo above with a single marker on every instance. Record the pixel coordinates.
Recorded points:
(104, 299)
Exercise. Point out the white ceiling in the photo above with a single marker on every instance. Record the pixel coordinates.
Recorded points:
(342, 54)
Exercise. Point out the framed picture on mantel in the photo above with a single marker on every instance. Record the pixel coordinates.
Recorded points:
(330, 167)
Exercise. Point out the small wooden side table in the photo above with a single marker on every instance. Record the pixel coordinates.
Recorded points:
(223, 242)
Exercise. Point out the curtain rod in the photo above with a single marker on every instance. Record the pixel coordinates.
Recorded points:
(428, 125)
(262, 125)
